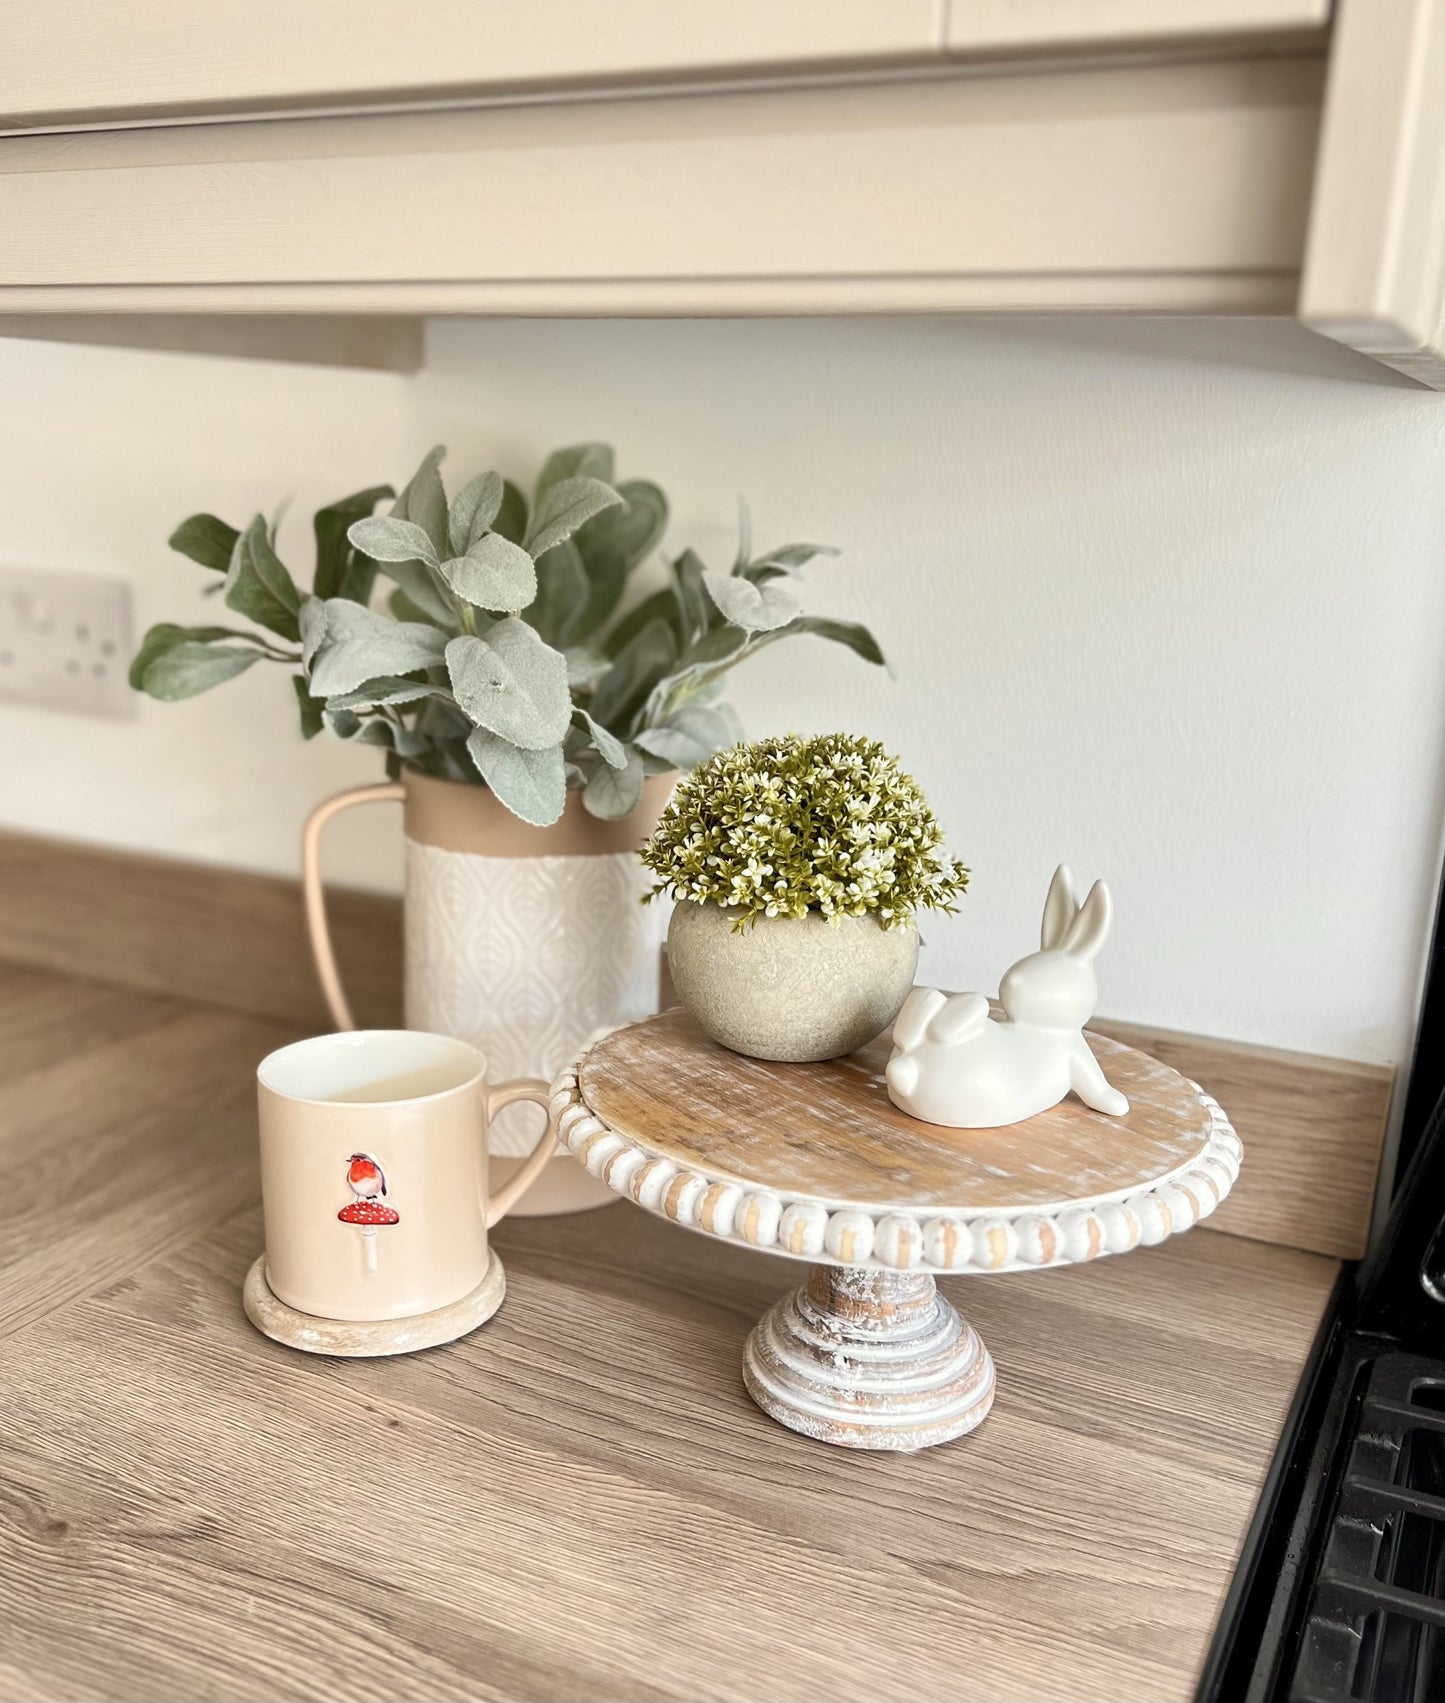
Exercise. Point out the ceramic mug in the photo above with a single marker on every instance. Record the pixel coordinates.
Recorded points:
(374, 1171)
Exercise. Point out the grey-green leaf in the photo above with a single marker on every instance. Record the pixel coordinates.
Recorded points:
(404, 609)
(258, 585)
(188, 668)
(374, 730)
(755, 608)
(309, 709)
(852, 634)
(745, 536)
(165, 636)
(585, 667)
(562, 593)
(424, 591)
(361, 645)
(424, 500)
(614, 542)
(372, 694)
(607, 746)
(657, 765)
(494, 574)
(699, 668)
(643, 661)
(512, 683)
(206, 540)
(386, 539)
(312, 623)
(695, 607)
(689, 738)
(473, 510)
(789, 557)
(337, 574)
(567, 505)
(659, 606)
(578, 460)
(614, 793)
(532, 784)
(511, 518)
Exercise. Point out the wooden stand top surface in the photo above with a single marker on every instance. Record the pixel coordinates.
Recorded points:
(830, 1132)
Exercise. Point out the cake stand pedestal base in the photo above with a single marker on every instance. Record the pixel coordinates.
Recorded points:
(869, 1359)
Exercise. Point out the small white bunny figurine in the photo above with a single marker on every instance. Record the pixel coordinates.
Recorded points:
(952, 1065)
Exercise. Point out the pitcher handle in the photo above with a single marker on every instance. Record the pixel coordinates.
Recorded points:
(321, 950)
(506, 1094)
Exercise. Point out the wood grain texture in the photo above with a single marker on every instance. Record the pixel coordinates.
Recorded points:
(869, 1360)
(188, 1511)
(125, 1123)
(829, 1131)
(216, 936)
(1314, 1127)
(909, 1198)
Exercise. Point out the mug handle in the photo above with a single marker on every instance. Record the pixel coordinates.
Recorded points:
(321, 951)
(506, 1094)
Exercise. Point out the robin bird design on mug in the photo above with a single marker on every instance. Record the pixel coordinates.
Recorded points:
(368, 1211)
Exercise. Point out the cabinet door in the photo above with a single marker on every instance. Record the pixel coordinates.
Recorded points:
(1171, 187)
(69, 62)
(1374, 272)
(1036, 26)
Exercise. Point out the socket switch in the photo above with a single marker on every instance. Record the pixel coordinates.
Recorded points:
(65, 641)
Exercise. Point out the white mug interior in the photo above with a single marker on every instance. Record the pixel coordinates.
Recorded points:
(373, 1067)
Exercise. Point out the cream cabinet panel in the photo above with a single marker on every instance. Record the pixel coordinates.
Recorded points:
(1166, 187)
(1374, 275)
(69, 62)
(1024, 26)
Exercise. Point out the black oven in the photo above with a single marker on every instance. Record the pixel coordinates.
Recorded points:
(1340, 1592)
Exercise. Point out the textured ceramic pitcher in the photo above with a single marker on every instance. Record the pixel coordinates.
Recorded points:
(521, 940)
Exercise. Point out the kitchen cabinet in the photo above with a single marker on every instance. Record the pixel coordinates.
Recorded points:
(67, 63)
(844, 156)
(1042, 26)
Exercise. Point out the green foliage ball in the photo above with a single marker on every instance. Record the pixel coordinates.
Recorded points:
(789, 825)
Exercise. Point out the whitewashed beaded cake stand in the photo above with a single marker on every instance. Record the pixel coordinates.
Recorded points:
(813, 1162)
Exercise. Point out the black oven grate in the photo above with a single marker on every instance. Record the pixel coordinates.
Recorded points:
(1340, 1592)
(1375, 1630)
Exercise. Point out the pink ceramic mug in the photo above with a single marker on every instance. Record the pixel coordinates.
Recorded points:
(374, 1171)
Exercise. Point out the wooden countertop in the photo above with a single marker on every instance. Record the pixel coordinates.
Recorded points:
(579, 1501)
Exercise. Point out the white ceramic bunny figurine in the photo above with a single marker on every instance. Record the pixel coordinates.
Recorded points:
(952, 1065)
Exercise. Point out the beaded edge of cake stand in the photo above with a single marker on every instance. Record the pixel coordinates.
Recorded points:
(805, 1227)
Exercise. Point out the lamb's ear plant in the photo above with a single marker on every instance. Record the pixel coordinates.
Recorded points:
(789, 825)
(501, 657)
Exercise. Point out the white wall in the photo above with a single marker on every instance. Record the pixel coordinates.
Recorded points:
(1165, 599)
(102, 451)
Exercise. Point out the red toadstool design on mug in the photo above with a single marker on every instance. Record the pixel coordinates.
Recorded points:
(367, 1181)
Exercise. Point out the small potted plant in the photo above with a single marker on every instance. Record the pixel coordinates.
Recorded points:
(798, 866)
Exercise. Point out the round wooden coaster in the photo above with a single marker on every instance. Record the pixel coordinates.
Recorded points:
(351, 1339)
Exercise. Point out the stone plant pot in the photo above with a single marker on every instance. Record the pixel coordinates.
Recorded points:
(789, 988)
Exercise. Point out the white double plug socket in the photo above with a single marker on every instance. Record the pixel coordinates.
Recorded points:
(65, 641)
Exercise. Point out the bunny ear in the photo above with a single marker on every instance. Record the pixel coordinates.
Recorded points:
(1091, 927)
(1060, 908)
(918, 1012)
